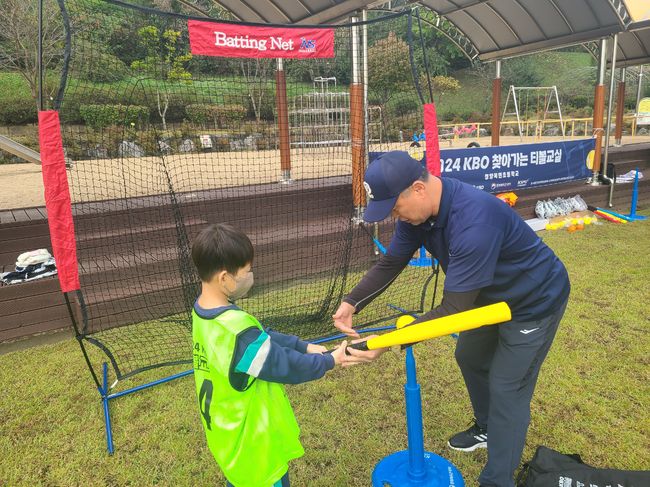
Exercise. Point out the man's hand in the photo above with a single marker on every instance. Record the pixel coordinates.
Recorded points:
(343, 319)
(313, 348)
(339, 353)
(359, 356)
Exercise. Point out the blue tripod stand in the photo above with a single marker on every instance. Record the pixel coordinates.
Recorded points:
(414, 466)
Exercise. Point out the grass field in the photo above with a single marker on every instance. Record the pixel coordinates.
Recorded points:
(592, 397)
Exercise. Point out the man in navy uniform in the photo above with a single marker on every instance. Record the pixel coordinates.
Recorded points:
(488, 254)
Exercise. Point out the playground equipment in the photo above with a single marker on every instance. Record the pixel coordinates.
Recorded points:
(321, 117)
(545, 94)
(19, 150)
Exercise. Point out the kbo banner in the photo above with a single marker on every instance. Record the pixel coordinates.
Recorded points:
(507, 168)
(246, 41)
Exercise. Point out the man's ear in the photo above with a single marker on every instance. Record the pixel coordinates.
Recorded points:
(418, 186)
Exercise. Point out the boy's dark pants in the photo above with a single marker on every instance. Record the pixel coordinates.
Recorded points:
(500, 365)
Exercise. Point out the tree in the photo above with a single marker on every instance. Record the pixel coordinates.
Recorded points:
(19, 39)
(389, 68)
(162, 61)
(440, 85)
(255, 72)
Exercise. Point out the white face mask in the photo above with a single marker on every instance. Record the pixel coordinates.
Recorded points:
(242, 286)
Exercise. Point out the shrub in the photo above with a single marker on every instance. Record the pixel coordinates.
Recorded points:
(98, 116)
(101, 67)
(220, 115)
(405, 105)
(18, 111)
(580, 101)
(148, 140)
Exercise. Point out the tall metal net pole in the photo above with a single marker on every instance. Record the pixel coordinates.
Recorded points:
(496, 104)
(599, 106)
(620, 108)
(283, 123)
(39, 61)
(610, 103)
(639, 91)
(357, 125)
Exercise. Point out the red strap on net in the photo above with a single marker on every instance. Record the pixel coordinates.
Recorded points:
(431, 137)
(57, 200)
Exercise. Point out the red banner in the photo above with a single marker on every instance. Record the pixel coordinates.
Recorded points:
(431, 136)
(57, 200)
(235, 40)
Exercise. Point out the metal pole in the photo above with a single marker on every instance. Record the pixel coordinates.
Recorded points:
(496, 105)
(639, 89)
(283, 123)
(514, 99)
(610, 103)
(107, 414)
(364, 39)
(559, 111)
(357, 130)
(39, 61)
(609, 123)
(364, 34)
(355, 49)
(599, 101)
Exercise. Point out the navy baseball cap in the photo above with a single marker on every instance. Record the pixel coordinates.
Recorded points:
(386, 177)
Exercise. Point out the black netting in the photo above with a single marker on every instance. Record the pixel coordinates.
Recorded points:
(161, 144)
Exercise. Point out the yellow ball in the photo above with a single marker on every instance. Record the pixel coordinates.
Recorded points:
(403, 321)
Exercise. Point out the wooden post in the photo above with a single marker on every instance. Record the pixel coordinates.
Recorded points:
(620, 109)
(283, 123)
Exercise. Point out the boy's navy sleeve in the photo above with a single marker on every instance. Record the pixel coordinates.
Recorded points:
(287, 341)
(258, 355)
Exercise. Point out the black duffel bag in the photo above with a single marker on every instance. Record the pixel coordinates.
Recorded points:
(549, 468)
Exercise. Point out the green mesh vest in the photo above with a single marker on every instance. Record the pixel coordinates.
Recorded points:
(252, 433)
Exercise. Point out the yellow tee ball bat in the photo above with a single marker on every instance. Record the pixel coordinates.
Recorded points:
(466, 320)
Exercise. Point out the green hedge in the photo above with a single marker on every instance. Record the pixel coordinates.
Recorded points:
(17, 111)
(98, 116)
(84, 93)
(220, 115)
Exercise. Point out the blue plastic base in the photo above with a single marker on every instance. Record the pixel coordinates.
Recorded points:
(393, 471)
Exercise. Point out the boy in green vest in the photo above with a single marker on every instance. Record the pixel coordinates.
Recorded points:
(239, 367)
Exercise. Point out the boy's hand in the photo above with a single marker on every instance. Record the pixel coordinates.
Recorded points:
(339, 353)
(359, 356)
(313, 348)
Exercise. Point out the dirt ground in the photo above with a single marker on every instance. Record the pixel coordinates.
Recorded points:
(22, 184)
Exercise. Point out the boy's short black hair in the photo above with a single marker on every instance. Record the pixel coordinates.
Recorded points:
(220, 247)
